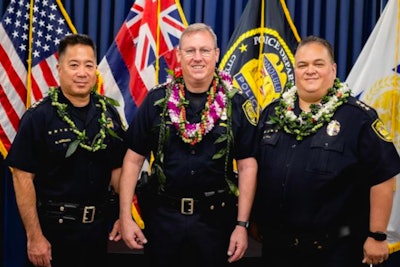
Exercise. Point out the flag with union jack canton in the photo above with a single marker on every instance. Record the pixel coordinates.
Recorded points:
(29, 35)
(143, 48)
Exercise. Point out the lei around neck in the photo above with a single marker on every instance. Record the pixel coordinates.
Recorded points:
(81, 138)
(308, 123)
(218, 106)
(214, 109)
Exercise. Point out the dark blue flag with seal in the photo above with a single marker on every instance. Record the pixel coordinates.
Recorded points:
(260, 53)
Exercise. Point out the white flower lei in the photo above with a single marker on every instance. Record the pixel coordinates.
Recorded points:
(309, 122)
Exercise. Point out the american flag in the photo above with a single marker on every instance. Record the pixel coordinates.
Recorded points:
(30, 32)
(144, 46)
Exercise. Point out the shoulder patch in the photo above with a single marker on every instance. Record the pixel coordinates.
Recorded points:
(380, 130)
(249, 111)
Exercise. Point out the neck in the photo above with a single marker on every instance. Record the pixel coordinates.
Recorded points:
(305, 104)
(78, 101)
(198, 87)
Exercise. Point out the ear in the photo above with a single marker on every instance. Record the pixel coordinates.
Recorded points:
(334, 68)
(178, 54)
(217, 52)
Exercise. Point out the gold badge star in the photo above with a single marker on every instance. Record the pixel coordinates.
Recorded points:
(243, 48)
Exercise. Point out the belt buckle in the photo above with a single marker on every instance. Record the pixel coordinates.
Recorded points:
(187, 206)
(88, 214)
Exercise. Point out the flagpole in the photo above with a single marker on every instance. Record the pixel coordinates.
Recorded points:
(67, 18)
(181, 14)
(290, 21)
(28, 77)
(158, 42)
(260, 59)
(396, 91)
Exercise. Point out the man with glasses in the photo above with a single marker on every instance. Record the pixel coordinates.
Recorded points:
(195, 125)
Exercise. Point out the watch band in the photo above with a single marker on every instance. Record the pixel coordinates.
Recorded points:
(242, 223)
(378, 236)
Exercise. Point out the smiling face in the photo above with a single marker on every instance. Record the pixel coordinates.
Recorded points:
(315, 71)
(77, 72)
(198, 56)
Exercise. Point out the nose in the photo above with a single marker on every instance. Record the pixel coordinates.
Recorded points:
(82, 71)
(310, 69)
(197, 54)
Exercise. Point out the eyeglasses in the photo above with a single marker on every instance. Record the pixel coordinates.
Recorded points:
(191, 52)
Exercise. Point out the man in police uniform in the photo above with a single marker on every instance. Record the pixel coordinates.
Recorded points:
(66, 154)
(195, 125)
(326, 175)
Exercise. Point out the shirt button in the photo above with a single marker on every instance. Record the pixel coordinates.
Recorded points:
(193, 152)
(192, 172)
(294, 146)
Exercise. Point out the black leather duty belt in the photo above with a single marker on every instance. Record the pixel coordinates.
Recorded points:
(310, 241)
(64, 212)
(207, 201)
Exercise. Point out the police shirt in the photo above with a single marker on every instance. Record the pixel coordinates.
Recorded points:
(323, 181)
(41, 144)
(190, 168)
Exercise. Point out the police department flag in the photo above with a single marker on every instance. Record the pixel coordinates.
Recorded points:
(375, 79)
(260, 52)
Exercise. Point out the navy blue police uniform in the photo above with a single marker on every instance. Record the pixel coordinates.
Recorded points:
(196, 212)
(312, 201)
(72, 193)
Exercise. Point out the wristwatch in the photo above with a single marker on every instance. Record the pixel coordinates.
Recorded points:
(242, 223)
(378, 236)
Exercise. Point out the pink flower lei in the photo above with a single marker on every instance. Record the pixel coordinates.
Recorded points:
(214, 109)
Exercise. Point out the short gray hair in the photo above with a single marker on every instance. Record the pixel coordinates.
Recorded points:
(199, 27)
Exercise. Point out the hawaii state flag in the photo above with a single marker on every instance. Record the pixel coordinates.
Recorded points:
(375, 79)
(143, 48)
(260, 52)
(29, 35)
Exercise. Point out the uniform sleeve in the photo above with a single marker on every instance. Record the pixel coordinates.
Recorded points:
(378, 151)
(142, 135)
(119, 146)
(23, 153)
(244, 126)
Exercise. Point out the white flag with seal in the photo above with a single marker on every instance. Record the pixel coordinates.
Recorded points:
(375, 79)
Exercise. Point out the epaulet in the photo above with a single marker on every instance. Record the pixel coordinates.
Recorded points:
(159, 86)
(238, 90)
(361, 105)
(36, 104)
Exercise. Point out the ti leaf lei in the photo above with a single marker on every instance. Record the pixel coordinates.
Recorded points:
(308, 122)
(218, 106)
(81, 139)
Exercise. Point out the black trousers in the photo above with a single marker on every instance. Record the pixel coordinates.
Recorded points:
(77, 244)
(196, 240)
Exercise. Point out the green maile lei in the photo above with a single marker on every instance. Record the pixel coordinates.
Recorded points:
(308, 123)
(81, 139)
(174, 113)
